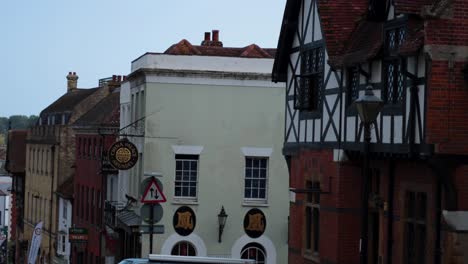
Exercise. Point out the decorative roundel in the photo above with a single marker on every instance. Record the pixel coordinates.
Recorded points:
(254, 223)
(184, 221)
(123, 155)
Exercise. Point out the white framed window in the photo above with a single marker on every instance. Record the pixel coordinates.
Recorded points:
(256, 179)
(64, 210)
(186, 176)
(254, 251)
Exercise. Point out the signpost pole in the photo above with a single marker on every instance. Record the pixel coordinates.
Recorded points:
(151, 229)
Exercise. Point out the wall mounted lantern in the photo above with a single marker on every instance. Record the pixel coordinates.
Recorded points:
(222, 216)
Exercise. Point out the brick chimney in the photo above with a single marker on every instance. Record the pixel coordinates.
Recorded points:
(72, 81)
(216, 41)
(212, 42)
(207, 40)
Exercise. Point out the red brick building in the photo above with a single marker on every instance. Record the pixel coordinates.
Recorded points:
(95, 132)
(414, 56)
(15, 165)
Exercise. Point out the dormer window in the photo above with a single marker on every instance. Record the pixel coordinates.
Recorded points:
(393, 64)
(307, 96)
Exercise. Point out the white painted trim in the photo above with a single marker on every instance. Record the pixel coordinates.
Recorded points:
(263, 240)
(187, 150)
(173, 239)
(212, 81)
(256, 152)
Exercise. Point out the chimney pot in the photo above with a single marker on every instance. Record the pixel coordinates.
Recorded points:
(119, 78)
(124, 78)
(72, 81)
(215, 35)
(114, 78)
(207, 36)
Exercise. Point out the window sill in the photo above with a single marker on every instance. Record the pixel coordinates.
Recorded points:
(182, 201)
(255, 204)
(314, 257)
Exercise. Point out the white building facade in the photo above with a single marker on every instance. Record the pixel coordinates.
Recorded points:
(211, 133)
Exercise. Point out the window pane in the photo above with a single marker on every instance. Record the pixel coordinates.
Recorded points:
(248, 193)
(255, 173)
(262, 193)
(248, 162)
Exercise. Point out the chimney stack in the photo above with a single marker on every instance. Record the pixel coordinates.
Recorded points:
(212, 42)
(72, 81)
(216, 41)
(207, 40)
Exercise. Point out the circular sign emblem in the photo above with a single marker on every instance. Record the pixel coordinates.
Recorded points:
(37, 231)
(254, 223)
(184, 221)
(145, 212)
(123, 155)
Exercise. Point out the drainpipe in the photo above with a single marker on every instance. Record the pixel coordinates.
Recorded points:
(438, 218)
(391, 188)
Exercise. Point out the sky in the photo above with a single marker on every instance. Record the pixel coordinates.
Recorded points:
(41, 41)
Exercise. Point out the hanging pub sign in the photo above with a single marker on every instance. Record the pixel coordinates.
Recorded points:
(123, 155)
(184, 221)
(254, 223)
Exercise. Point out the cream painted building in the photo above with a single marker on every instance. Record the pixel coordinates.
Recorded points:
(50, 156)
(211, 130)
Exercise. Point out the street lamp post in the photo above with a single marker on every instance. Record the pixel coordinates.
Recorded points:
(368, 107)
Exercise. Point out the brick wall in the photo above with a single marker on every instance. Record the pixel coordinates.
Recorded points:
(339, 209)
(447, 106)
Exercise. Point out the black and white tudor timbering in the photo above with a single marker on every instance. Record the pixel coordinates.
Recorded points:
(328, 53)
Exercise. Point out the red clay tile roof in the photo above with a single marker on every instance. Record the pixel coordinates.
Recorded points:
(339, 18)
(184, 47)
(365, 43)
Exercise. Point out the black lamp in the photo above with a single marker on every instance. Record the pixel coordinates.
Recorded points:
(368, 107)
(222, 216)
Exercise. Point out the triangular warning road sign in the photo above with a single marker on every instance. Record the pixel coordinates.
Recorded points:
(153, 193)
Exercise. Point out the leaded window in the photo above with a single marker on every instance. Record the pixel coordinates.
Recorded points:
(256, 170)
(186, 176)
(308, 91)
(353, 85)
(312, 218)
(394, 81)
(394, 65)
(415, 227)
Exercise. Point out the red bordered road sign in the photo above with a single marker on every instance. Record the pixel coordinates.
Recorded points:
(153, 193)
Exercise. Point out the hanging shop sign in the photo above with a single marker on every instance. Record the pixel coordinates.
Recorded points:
(123, 154)
(254, 223)
(78, 235)
(184, 221)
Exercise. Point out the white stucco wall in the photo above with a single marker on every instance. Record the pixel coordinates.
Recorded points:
(226, 121)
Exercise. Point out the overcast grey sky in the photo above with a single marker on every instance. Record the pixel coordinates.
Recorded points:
(41, 41)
